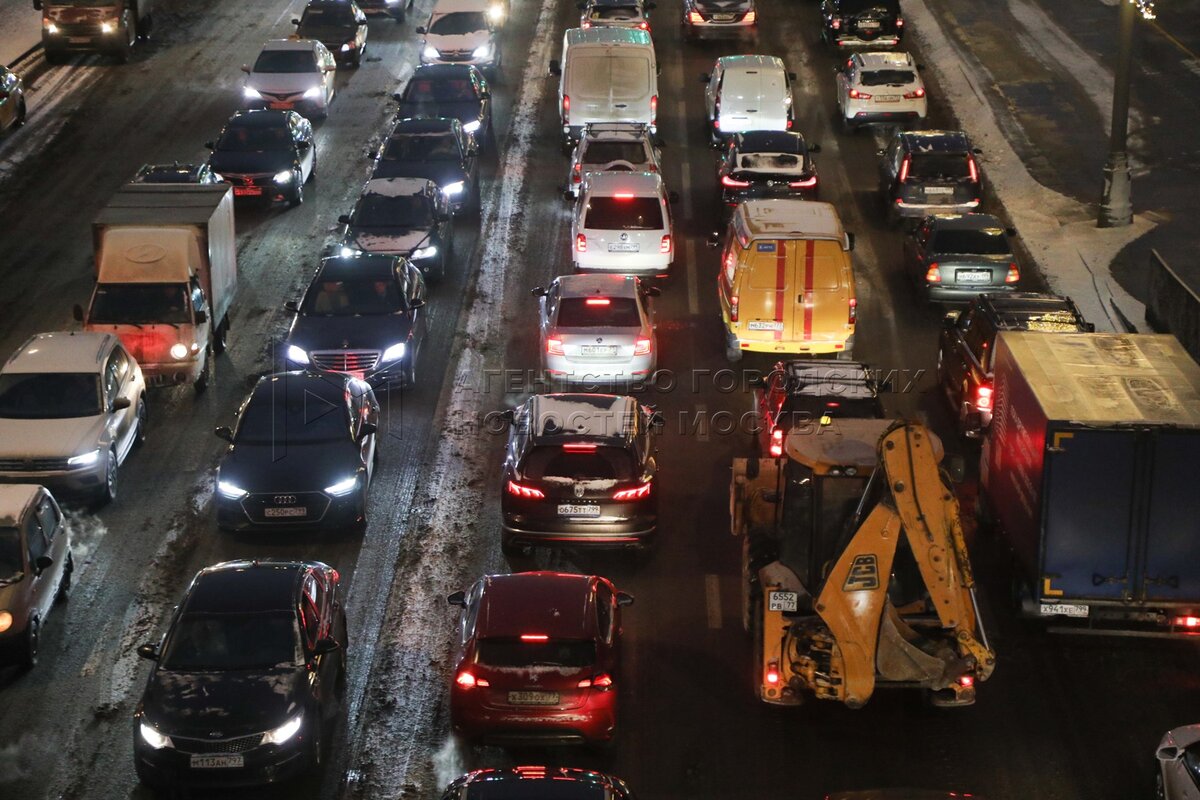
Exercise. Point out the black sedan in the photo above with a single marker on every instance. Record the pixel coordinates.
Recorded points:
(406, 217)
(301, 456)
(362, 315)
(579, 469)
(456, 91)
(437, 149)
(340, 25)
(768, 164)
(248, 680)
(955, 257)
(268, 155)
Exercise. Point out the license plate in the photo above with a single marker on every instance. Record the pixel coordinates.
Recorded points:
(868, 25)
(973, 275)
(235, 761)
(624, 247)
(938, 190)
(533, 698)
(247, 191)
(888, 98)
(1065, 609)
(597, 350)
(722, 17)
(764, 326)
(286, 511)
(580, 510)
(79, 39)
(281, 106)
(782, 601)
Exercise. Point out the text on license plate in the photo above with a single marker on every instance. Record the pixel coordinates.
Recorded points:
(624, 247)
(973, 275)
(283, 106)
(597, 350)
(1065, 609)
(78, 39)
(782, 601)
(244, 191)
(759, 325)
(868, 25)
(533, 698)
(938, 190)
(286, 511)
(235, 761)
(578, 510)
(888, 98)
(722, 17)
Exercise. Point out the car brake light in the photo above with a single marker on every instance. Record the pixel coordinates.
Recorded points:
(1013, 275)
(899, 22)
(855, 94)
(580, 243)
(1187, 622)
(807, 183)
(577, 174)
(554, 347)
(636, 493)
(853, 317)
(468, 681)
(598, 301)
(601, 681)
(622, 195)
(653, 109)
(983, 398)
(734, 183)
(974, 170)
(904, 165)
(534, 637)
(776, 442)
(789, 123)
(751, 16)
(694, 16)
(586, 24)
(665, 245)
(641, 347)
(835, 23)
(966, 681)
(733, 308)
(579, 447)
(566, 109)
(933, 274)
(644, 25)
(914, 94)
(525, 492)
(772, 676)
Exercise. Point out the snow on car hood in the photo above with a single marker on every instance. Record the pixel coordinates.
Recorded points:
(378, 240)
(458, 41)
(50, 438)
(283, 82)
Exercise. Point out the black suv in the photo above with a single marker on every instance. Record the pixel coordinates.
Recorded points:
(806, 392)
(437, 149)
(929, 172)
(964, 365)
(861, 23)
(406, 217)
(458, 91)
(248, 680)
(768, 164)
(340, 25)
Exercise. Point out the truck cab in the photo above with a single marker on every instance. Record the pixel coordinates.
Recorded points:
(98, 26)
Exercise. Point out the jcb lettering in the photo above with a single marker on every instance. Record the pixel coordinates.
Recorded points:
(863, 574)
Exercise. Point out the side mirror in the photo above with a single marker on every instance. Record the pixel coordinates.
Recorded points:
(415, 303)
(659, 141)
(201, 317)
(713, 240)
(485, 95)
(421, 29)
(367, 429)
(581, 6)
(121, 403)
(148, 651)
(42, 563)
(458, 598)
(814, 148)
(705, 77)
(624, 599)
(657, 421)
(791, 76)
(849, 242)
(1010, 231)
(295, 22)
(658, 69)
(672, 197)
(210, 145)
(292, 307)
(976, 151)
(344, 219)
(555, 67)
(651, 6)
(77, 312)
(325, 645)
(246, 68)
(568, 195)
(398, 97)
(538, 291)
(224, 432)
(509, 415)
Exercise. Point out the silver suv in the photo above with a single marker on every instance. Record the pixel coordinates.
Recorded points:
(35, 568)
(71, 410)
(612, 147)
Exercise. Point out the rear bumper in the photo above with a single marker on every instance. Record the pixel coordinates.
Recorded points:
(1115, 619)
(853, 40)
(940, 293)
(792, 346)
(626, 264)
(875, 116)
(524, 529)
(909, 210)
(594, 722)
(560, 368)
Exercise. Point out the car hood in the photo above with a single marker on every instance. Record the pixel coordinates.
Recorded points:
(290, 468)
(373, 332)
(464, 112)
(198, 704)
(399, 241)
(50, 438)
(283, 82)
(263, 161)
(440, 172)
(458, 41)
(14, 598)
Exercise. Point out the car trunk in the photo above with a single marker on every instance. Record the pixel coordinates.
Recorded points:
(535, 672)
(950, 179)
(624, 225)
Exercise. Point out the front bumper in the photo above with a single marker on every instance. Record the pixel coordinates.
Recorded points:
(173, 373)
(302, 107)
(333, 513)
(265, 764)
(63, 483)
(469, 60)
(83, 37)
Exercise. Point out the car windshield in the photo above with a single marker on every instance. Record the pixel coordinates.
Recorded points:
(140, 304)
(441, 91)
(887, 77)
(419, 147)
(49, 395)
(983, 242)
(939, 165)
(233, 641)
(459, 22)
(246, 139)
(294, 417)
(336, 297)
(605, 152)
(598, 312)
(603, 463)
(329, 16)
(285, 61)
(495, 652)
(11, 564)
(404, 211)
(623, 214)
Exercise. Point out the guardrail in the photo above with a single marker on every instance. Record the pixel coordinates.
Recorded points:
(1172, 306)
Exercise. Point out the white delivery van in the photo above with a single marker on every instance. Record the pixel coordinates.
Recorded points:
(748, 93)
(606, 75)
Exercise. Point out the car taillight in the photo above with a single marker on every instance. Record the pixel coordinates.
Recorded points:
(983, 397)
(904, 165)
(580, 243)
(641, 347)
(933, 274)
(807, 183)
(855, 94)
(835, 23)
(577, 174)
(899, 22)
(653, 109)
(586, 24)
(914, 94)
(1013, 275)
(776, 442)
(966, 681)
(598, 301)
(664, 246)
(789, 123)
(644, 25)
(566, 109)
(733, 308)
(468, 681)
(853, 316)
(734, 183)
(636, 493)
(973, 169)
(534, 637)
(601, 681)
(525, 492)
(694, 16)
(1187, 622)
(751, 16)
(772, 674)
(579, 447)
(554, 347)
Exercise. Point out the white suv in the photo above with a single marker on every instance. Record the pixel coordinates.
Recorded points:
(611, 147)
(622, 225)
(875, 88)
(71, 410)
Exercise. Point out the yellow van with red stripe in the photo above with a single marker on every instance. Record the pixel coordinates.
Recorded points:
(786, 283)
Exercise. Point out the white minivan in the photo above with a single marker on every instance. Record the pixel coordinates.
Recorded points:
(606, 75)
(747, 93)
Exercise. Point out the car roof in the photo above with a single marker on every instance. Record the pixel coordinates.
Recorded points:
(245, 586)
(551, 603)
(607, 35)
(770, 142)
(423, 125)
(15, 498)
(594, 417)
(290, 44)
(641, 184)
(443, 72)
(175, 168)
(451, 6)
(771, 219)
(61, 352)
(259, 118)
(878, 60)
(327, 4)
(398, 187)
(616, 3)
(377, 265)
(935, 141)
(1031, 311)
(750, 62)
(965, 222)
(585, 285)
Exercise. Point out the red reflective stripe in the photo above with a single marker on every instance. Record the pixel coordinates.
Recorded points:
(780, 286)
(809, 248)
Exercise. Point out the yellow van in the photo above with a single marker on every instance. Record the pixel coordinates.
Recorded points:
(786, 284)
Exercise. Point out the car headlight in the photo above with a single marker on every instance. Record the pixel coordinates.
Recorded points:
(284, 732)
(395, 352)
(179, 351)
(348, 251)
(311, 93)
(296, 354)
(51, 28)
(154, 738)
(107, 27)
(424, 252)
(5, 621)
(496, 13)
(391, 2)
(343, 487)
(430, 51)
(472, 126)
(231, 490)
(251, 94)
(347, 47)
(284, 177)
(483, 51)
(452, 189)
(85, 460)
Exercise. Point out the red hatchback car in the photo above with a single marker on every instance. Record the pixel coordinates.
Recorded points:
(537, 660)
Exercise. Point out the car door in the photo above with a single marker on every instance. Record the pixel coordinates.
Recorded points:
(8, 98)
(915, 249)
(889, 165)
(607, 641)
(314, 626)
(712, 91)
(467, 618)
(302, 138)
(845, 79)
(485, 100)
(327, 64)
(468, 153)
(50, 518)
(360, 19)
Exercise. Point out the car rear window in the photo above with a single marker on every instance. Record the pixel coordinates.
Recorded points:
(939, 165)
(887, 77)
(604, 152)
(598, 312)
(550, 653)
(603, 463)
(623, 214)
(979, 243)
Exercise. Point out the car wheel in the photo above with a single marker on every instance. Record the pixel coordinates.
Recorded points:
(29, 645)
(1160, 791)
(410, 374)
(108, 492)
(312, 173)
(733, 353)
(298, 193)
(201, 384)
(356, 62)
(139, 438)
(64, 585)
(847, 126)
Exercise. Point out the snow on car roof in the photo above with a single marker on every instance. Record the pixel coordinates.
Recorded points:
(584, 285)
(886, 61)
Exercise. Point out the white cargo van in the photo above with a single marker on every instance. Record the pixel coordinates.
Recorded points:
(606, 75)
(747, 93)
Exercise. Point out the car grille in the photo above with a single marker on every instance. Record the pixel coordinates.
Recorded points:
(455, 55)
(32, 464)
(239, 744)
(345, 360)
(283, 97)
(247, 180)
(314, 503)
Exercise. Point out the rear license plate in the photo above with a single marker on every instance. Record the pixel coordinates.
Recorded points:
(973, 275)
(888, 98)
(281, 106)
(578, 510)
(1065, 609)
(236, 761)
(764, 326)
(723, 17)
(782, 601)
(868, 25)
(938, 190)
(286, 511)
(597, 350)
(247, 191)
(624, 247)
(78, 39)
(533, 698)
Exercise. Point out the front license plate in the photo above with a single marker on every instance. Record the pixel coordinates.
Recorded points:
(247, 191)
(286, 511)
(533, 698)
(78, 39)
(236, 761)
(281, 106)
(1065, 609)
(783, 601)
(597, 350)
(973, 275)
(578, 510)
(624, 247)
(938, 190)
(764, 326)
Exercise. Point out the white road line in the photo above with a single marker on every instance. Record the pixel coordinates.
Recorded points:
(689, 249)
(712, 600)
(685, 183)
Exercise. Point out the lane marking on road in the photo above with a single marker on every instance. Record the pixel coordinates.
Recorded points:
(685, 183)
(689, 249)
(712, 601)
(701, 422)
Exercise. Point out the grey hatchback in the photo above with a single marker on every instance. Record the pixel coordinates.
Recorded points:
(954, 257)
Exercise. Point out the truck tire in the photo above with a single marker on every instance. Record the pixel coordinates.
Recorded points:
(201, 383)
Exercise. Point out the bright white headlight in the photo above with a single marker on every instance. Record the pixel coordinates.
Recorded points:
(296, 354)
(430, 51)
(251, 94)
(106, 27)
(85, 460)
(284, 177)
(231, 490)
(483, 51)
(284, 732)
(342, 487)
(452, 189)
(496, 13)
(472, 126)
(311, 93)
(394, 352)
(346, 251)
(179, 351)
(424, 252)
(154, 738)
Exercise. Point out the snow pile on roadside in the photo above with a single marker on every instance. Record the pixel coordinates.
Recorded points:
(1060, 233)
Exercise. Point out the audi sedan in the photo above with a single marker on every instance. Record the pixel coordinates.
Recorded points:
(301, 455)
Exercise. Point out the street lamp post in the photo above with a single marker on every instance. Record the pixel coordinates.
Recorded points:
(1116, 207)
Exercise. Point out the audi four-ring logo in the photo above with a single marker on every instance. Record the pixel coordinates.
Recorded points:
(285, 499)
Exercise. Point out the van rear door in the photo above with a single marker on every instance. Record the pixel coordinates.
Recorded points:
(1171, 571)
(767, 291)
(611, 86)
(823, 303)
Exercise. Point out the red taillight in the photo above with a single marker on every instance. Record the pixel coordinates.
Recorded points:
(580, 243)
(807, 183)
(653, 109)
(665, 245)
(468, 681)
(598, 301)
(772, 676)
(525, 492)
(694, 16)
(577, 174)
(601, 681)
(966, 681)
(751, 16)
(622, 195)
(1187, 622)
(855, 94)
(641, 347)
(789, 123)
(913, 95)
(1013, 275)
(933, 274)
(586, 24)
(904, 165)
(733, 308)
(853, 315)
(554, 347)
(566, 109)
(835, 23)
(534, 637)
(644, 25)
(734, 183)
(973, 169)
(579, 447)
(983, 398)
(776, 442)
(899, 22)
(636, 493)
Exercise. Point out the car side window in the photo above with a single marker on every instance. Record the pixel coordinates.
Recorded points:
(112, 378)
(49, 517)
(35, 540)
(895, 156)
(470, 612)
(604, 611)
(310, 615)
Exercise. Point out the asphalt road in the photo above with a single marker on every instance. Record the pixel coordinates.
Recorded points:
(1061, 718)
